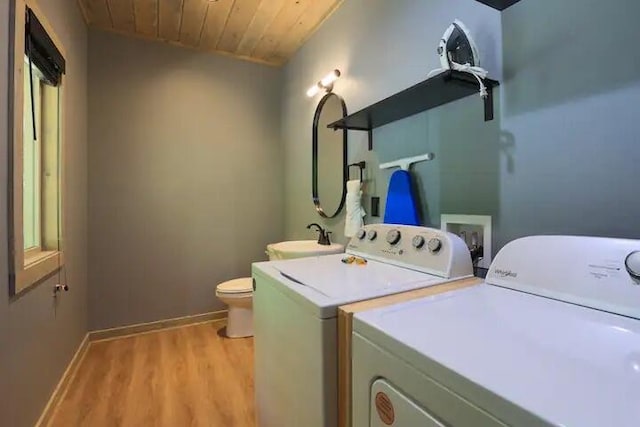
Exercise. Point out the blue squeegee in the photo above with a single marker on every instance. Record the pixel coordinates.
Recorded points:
(401, 206)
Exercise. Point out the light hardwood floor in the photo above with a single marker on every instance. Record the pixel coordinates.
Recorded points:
(187, 376)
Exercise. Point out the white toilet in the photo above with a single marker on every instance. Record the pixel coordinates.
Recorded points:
(238, 295)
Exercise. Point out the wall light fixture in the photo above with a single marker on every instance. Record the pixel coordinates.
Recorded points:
(325, 84)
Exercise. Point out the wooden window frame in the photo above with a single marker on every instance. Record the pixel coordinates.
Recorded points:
(29, 267)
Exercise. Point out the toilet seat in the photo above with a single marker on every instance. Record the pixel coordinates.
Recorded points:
(236, 287)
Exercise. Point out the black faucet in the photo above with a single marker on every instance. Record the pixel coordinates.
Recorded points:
(323, 235)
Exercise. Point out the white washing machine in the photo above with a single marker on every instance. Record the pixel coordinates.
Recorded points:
(295, 308)
(551, 338)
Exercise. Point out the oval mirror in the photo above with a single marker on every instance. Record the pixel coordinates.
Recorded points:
(329, 157)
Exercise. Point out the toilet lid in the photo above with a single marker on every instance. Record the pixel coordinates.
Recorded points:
(236, 286)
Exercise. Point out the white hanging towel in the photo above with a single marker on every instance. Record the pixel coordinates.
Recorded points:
(355, 212)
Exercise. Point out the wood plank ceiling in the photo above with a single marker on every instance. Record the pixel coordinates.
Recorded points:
(265, 31)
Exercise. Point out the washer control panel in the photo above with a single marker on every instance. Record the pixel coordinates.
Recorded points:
(419, 248)
(597, 272)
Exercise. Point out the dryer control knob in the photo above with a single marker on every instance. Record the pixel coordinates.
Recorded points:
(372, 234)
(632, 263)
(434, 245)
(417, 242)
(361, 233)
(393, 237)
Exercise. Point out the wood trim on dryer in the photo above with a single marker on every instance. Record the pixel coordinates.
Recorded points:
(345, 329)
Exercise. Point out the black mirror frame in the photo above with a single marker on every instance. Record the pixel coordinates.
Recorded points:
(345, 170)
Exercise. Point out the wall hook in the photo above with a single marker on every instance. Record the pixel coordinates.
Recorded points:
(360, 165)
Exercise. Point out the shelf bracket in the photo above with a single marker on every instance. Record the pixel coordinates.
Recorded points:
(370, 134)
(488, 105)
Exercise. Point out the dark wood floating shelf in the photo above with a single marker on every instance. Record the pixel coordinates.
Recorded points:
(441, 89)
(499, 4)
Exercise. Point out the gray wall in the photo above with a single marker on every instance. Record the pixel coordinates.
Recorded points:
(382, 47)
(562, 154)
(570, 117)
(37, 335)
(185, 172)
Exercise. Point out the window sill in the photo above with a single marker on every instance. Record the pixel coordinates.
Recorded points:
(37, 256)
(37, 266)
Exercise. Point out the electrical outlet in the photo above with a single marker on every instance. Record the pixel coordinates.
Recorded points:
(475, 230)
(375, 206)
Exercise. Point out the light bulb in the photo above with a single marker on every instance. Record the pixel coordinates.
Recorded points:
(325, 84)
(313, 90)
(330, 78)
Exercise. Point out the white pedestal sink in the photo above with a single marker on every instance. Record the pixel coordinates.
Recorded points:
(300, 249)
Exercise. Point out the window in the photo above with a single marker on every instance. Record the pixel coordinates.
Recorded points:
(32, 134)
(36, 150)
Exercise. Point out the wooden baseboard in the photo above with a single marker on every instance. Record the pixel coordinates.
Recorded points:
(65, 380)
(141, 328)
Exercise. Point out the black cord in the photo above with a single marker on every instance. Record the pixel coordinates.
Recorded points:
(60, 192)
(33, 106)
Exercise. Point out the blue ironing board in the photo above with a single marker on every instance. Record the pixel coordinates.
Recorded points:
(401, 207)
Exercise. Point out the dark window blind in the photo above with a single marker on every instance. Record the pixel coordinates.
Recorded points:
(42, 51)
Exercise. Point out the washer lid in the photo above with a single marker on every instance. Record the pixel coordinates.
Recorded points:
(337, 281)
(236, 286)
(566, 364)
(321, 284)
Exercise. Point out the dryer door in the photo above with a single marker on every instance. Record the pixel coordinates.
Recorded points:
(389, 407)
